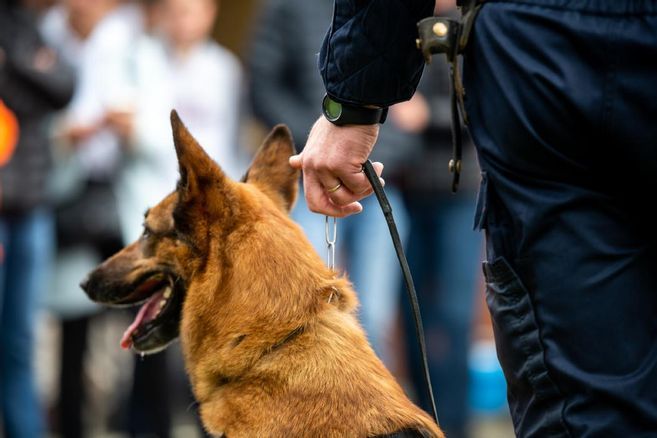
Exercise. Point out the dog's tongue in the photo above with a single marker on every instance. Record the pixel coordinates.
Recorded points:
(147, 312)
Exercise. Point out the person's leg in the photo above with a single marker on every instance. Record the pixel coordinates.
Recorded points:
(373, 268)
(444, 253)
(420, 255)
(449, 324)
(4, 247)
(4, 243)
(561, 107)
(71, 376)
(149, 406)
(29, 254)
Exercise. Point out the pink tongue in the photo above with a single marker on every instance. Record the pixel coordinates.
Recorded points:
(146, 313)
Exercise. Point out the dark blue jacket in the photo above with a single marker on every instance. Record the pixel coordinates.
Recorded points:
(369, 55)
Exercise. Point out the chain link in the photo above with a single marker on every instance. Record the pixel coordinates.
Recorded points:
(330, 241)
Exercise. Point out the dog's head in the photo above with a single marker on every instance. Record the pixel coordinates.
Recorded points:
(215, 253)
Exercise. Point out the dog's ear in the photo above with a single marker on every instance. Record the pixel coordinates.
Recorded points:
(271, 171)
(201, 183)
(197, 169)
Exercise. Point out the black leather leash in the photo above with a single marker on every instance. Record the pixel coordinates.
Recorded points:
(408, 279)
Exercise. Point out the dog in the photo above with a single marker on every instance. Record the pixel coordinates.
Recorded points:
(269, 334)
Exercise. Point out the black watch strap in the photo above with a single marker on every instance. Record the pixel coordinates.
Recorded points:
(346, 114)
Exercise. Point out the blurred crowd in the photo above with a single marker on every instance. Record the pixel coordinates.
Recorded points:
(85, 148)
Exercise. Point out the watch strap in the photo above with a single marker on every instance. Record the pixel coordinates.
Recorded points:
(358, 115)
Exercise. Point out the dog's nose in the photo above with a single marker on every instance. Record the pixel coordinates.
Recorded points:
(84, 284)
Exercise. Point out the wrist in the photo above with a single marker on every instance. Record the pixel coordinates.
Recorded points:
(340, 113)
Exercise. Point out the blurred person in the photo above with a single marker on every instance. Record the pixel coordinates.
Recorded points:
(285, 88)
(34, 82)
(95, 36)
(442, 248)
(176, 64)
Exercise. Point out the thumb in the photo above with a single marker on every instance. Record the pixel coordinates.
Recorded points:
(296, 161)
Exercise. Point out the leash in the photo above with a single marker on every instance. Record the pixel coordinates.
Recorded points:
(408, 279)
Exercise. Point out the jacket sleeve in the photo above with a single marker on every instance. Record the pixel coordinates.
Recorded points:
(369, 55)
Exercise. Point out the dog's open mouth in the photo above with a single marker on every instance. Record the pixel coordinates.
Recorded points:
(158, 319)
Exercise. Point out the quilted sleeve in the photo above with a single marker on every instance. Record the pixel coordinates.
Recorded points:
(369, 55)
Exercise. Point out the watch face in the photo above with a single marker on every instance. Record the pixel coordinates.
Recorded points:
(332, 109)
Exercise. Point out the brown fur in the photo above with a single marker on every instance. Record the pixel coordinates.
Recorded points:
(270, 338)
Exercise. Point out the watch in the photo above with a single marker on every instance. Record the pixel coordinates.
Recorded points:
(346, 114)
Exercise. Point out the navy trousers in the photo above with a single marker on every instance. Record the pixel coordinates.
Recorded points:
(562, 100)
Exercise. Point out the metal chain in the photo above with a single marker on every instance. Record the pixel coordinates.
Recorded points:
(330, 241)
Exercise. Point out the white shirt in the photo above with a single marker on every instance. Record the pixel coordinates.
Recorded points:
(205, 90)
(103, 65)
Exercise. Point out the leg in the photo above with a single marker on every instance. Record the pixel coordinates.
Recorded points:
(29, 253)
(150, 412)
(71, 377)
(444, 252)
(571, 255)
(373, 268)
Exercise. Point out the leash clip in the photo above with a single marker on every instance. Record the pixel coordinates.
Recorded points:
(330, 241)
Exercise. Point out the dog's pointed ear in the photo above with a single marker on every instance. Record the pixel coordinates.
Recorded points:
(204, 191)
(271, 170)
(197, 169)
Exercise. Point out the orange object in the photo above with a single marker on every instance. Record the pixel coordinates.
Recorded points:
(8, 133)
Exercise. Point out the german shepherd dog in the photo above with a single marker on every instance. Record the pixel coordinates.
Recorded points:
(269, 333)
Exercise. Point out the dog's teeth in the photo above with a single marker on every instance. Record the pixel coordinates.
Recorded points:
(167, 292)
(162, 303)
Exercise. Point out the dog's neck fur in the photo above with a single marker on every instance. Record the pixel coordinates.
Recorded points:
(377, 402)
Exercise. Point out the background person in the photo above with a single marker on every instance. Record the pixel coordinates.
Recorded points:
(95, 37)
(34, 82)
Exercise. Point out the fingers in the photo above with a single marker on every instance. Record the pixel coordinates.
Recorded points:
(335, 189)
(319, 202)
(331, 165)
(326, 194)
(378, 168)
(354, 180)
(357, 182)
(296, 161)
(344, 195)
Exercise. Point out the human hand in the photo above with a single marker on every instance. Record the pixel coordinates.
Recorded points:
(332, 164)
(74, 135)
(121, 121)
(44, 59)
(411, 116)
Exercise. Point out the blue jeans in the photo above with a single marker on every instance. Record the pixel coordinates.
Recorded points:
(27, 242)
(444, 254)
(368, 256)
